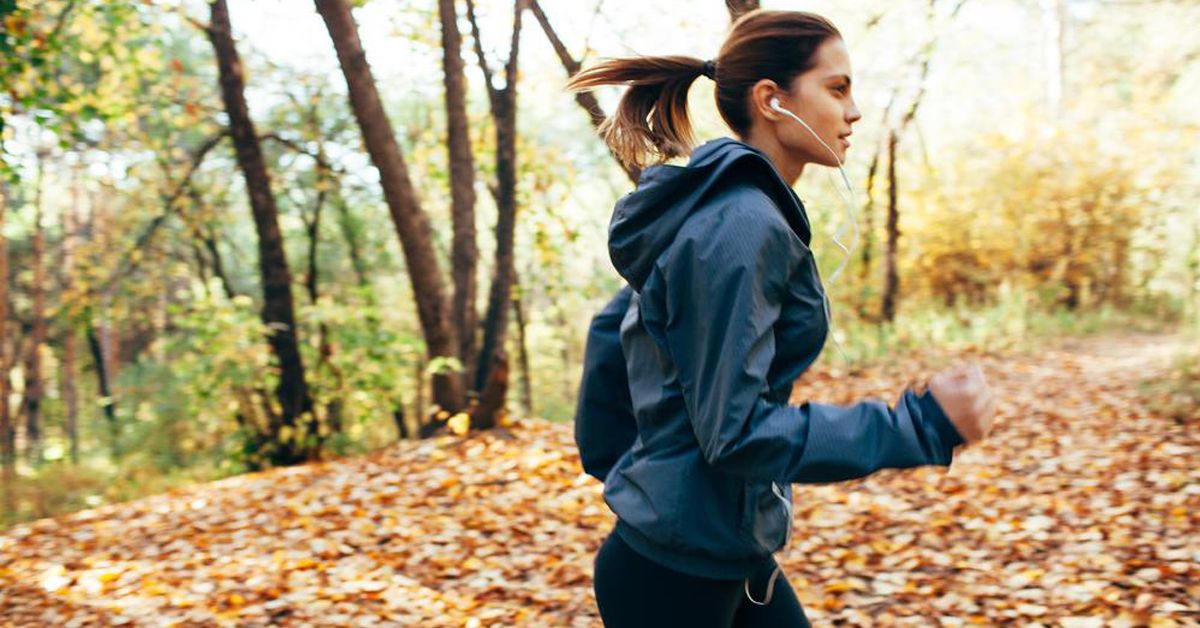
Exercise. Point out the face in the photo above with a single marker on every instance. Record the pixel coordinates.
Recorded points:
(821, 97)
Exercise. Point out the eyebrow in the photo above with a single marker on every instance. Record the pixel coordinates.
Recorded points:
(841, 76)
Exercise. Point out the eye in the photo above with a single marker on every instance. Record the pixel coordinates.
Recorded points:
(843, 88)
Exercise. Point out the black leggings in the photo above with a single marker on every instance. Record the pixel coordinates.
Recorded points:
(634, 591)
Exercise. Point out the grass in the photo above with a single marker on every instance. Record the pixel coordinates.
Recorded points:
(1014, 323)
(60, 487)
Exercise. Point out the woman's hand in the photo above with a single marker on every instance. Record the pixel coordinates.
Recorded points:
(966, 399)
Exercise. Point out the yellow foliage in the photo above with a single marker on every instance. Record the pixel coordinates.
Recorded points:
(459, 423)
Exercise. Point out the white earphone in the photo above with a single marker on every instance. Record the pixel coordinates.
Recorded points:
(777, 107)
(847, 202)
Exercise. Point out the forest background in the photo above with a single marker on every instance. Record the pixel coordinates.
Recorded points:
(226, 244)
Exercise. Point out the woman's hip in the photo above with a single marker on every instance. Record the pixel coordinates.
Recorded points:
(632, 591)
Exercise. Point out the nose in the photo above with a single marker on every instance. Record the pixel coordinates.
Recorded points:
(853, 114)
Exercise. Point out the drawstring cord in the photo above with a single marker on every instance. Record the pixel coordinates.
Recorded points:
(774, 574)
(787, 504)
(770, 588)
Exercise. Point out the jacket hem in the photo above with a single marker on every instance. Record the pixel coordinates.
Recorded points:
(690, 564)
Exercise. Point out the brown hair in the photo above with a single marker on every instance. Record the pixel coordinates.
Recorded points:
(652, 118)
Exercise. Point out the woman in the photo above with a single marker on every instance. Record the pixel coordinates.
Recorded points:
(683, 409)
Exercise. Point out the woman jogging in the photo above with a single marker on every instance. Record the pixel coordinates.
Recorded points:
(683, 409)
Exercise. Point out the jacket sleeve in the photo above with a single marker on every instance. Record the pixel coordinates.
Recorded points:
(723, 295)
(604, 423)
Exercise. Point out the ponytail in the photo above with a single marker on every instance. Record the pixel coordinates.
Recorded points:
(651, 123)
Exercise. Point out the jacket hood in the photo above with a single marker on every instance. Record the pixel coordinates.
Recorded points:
(645, 221)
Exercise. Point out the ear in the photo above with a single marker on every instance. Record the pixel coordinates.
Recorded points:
(760, 96)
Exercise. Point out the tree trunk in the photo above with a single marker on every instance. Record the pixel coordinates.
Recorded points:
(106, 400)
(31, 400)
(98, 224)
(333, 409)
(201, 265)
(70, 220)
(312, 229)
(98, 338)
(492, 396)
(408, 218)
(504, 112)
(278, 306)
(523, 351)
(70, 396)
(7, 432)
(569, 382)
(401, 424)
(465, 253)
(207, 236)
(419, 386)
(868, 242)
(218, 264)
(350, 235)
(891, 285)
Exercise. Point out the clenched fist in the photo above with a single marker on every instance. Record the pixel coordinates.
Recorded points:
(966, 399)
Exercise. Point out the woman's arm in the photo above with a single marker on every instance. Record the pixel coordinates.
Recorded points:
(723, 284)
(604, 422)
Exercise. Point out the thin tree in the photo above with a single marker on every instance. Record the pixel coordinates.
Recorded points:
(891, 278)
(523, 349)
(7, 433)
(891, 281)
(31, 399)
(408, 218)
(504, 115)
(96, 328)
(66, 269)
(278, 311)
(464, 251)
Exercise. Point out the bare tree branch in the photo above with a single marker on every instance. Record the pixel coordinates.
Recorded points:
(128, 261)
(586, 99)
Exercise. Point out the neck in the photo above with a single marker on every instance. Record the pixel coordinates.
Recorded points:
(789, 168)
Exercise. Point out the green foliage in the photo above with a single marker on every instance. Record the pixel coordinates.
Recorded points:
(1178, 394)
(62, 487)
(1015, 320)
(370, 370)
(185, 401)
(67, 64)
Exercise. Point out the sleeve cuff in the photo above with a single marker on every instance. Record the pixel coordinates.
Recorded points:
(936, 418)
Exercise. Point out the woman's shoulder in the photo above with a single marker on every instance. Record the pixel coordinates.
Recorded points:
(739, 233)
(738, 212)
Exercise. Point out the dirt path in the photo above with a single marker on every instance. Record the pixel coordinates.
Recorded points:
(1083, 509)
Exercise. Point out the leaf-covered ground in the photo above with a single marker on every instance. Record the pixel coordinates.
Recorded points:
(1083, 509)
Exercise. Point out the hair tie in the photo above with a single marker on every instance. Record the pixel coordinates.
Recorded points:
(710, 69)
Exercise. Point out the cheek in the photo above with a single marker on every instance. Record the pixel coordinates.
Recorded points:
(833, 111)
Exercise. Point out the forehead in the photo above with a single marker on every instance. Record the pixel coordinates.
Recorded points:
(830, 60)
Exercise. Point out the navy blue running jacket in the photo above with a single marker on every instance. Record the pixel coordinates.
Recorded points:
(683, 410)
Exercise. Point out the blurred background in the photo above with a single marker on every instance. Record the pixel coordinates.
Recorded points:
(224, 245)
